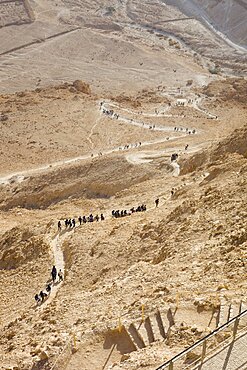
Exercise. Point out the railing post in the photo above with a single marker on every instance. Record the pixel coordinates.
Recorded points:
(240, 307)
(229, 312)
(119, 324)
(74, 346)
(143, 313)
(235, 328)
(234, 321)
(204, 349)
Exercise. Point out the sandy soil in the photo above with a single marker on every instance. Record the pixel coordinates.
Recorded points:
(64, 155)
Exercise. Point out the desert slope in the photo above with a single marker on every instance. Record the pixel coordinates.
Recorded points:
(106, 108)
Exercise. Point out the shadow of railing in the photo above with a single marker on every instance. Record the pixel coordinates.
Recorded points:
(197, 353)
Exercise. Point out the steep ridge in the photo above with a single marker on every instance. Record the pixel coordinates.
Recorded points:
(228, 17)
(186, 252)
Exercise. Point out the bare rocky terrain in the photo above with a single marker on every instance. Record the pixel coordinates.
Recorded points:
(94, 101)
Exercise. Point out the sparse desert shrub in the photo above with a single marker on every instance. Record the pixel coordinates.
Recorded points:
(174, 43)
(3, 118)
(171, 42)
(214, 70)
(110, 10)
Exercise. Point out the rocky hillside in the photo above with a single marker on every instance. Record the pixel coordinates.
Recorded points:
(227, 17)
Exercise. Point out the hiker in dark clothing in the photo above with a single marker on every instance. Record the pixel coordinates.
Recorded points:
(80, 220)
(37, 298)
(84, 219)
(96, 218)
(157, 202)
(73, 222)
(60, 275)
(43, 295)
(59, 225)
(48, 288)
(102, 217)
(54, 273)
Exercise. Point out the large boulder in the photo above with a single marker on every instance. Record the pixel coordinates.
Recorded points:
(82, 87)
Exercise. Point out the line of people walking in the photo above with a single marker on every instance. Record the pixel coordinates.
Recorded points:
(70, 223)
(111, 113)
(123, 213)
(186, 130)
(56, 277)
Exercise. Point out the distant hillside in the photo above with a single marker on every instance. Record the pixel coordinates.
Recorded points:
(228, 17)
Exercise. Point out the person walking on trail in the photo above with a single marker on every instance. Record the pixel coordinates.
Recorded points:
(157, 202)
(48, 288)
(54, 273)
(43, 295)
(60, 275)
(80, 220)
(59, 225)
(37, 298)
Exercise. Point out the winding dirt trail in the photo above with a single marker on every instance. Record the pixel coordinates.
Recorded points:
(176, 168)
(195, 105)
(142, 124)
(17, 177)
(55, 244)
(92, 132)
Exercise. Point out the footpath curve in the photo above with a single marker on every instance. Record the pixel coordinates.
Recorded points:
(19, 176)
(55, 245)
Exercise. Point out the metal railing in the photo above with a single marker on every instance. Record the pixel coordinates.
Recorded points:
(64, 356)
(196, 353)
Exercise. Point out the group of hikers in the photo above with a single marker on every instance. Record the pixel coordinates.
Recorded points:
(71, 223)
(174, 156)
(123, 213)
(186, 130)
(43, 294)
(110, 113)
(127, 146)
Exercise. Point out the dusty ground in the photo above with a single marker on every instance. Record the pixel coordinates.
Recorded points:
(115, 46)
(63, 156)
